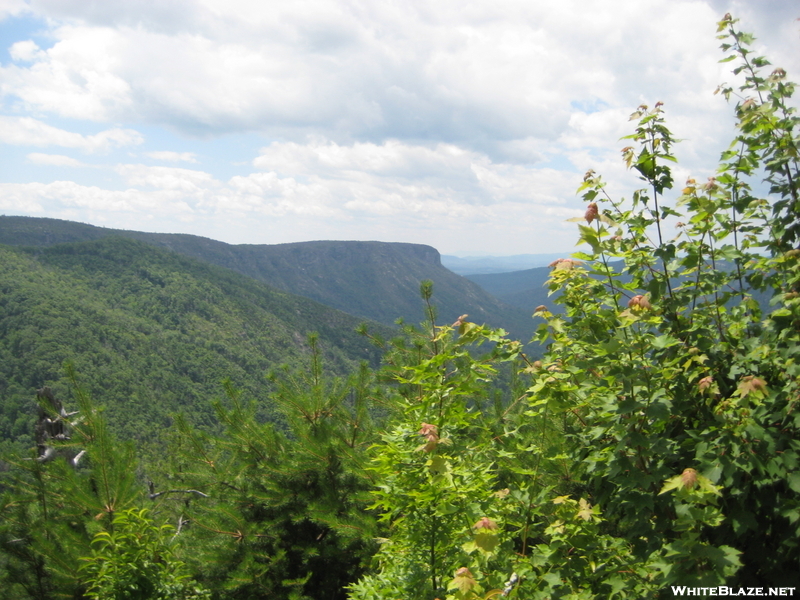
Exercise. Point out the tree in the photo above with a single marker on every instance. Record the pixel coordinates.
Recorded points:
(680, 374)
(436, 465)
(79, 478)
(135, 560)
(285, 514)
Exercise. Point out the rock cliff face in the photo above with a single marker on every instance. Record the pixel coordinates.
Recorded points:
(373, 280)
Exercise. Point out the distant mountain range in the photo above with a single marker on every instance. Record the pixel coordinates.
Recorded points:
(480, 265)
(523, 289)
(527, 289)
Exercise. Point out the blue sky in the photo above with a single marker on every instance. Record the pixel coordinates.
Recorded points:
(466, 126)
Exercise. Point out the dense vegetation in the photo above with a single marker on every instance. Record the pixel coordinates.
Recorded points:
(657, 443)
(372, 280)
(150, 332)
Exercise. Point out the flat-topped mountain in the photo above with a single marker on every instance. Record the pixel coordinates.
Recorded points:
(374, 280)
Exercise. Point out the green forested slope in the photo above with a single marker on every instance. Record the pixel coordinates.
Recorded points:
(524, 289)
(148, 332)
(373, 280)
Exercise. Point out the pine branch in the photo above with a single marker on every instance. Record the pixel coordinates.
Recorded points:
(153, 494)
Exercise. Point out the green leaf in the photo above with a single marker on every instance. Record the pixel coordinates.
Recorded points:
(486, 541)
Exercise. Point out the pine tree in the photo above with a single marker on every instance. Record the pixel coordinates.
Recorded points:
(55, 501)
(286, 511)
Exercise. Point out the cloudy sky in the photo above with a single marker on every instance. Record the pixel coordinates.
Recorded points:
(464, 125)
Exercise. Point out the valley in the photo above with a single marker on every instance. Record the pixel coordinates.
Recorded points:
(154, 323)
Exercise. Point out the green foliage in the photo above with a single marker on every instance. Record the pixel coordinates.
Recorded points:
(134, 560)
(151, 333)
(371, 280)
(436, 465)
(656, 443)
(51, 510)
(674, 372)
(663, 419)
(470, 485)
(286, 513)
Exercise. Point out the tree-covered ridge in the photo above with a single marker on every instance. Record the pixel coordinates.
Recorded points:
(372, 280)
(517, 288)
(149, 332)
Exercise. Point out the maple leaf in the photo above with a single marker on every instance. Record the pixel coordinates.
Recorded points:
(463, 581)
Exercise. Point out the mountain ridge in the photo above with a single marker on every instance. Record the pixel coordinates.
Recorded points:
(373, 280)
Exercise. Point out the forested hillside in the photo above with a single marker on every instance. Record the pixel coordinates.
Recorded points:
(517, 288)
(372, 280)
(149, 332)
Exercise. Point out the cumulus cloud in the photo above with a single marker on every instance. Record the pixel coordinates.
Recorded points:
(26, 131)
(12, 8)
(76, 78)
(396, 177)
(494, 72)
(325, 179)
(26, 51)
(68, 194)
(392, 158)
(493, 77)
(56, 160)
(160, 15)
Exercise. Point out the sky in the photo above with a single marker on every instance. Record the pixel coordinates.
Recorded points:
(464, 125)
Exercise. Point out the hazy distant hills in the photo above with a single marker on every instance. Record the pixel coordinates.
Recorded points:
(480, 265)
(374, 280)
(527, 289)
(523, 289)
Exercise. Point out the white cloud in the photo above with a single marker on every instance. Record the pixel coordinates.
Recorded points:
(323, 179)
(492, 73)
(17, 200)
(12, 8)
(164, 15)
(186, 181)
(26, 131)
(392, 158)
(76, 78)
(27, 51)
(400, 120)
(72, 195)
(169, 156)
(595, 130)
(56, 160)
(269, 194)
(412, 181)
